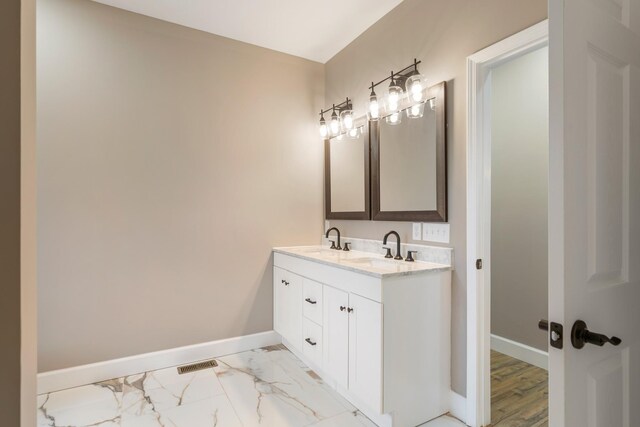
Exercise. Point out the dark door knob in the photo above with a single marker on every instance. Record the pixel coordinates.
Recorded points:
(580, 336)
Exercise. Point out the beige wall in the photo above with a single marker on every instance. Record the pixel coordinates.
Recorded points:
(442, 34)
(10, 212)
(170, 162)
(519, 192)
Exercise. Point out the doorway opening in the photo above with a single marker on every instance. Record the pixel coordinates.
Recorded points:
(507, 220)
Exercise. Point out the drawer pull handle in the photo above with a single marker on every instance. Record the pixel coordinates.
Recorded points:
(285, 283)
(310, 302)
(350, 310)
(343, 308)
(310, 342)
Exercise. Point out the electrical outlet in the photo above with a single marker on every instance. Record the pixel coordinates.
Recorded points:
(435, 232)
(417, 231)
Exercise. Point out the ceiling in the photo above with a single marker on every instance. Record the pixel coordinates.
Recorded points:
(313, 30)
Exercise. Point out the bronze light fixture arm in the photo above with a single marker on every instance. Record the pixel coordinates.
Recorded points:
(344, 105)
(399, 76)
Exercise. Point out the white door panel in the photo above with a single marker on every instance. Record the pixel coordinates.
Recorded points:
(279, 312)
(335, 352)
(365, 351)
(594, 221)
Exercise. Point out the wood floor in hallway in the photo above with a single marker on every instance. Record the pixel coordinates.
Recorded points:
(519, 393)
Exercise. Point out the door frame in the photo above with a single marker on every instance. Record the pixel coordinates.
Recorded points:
(479, 67)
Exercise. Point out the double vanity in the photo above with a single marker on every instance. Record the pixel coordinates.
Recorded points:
(374, 322)
(376, 329)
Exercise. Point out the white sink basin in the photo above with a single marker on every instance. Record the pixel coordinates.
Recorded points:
(380, 263)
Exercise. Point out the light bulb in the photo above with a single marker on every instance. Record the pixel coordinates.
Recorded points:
(415, 86)
(394, 118)
(374, 109)
(394, 95)
(416, 92)
(323, 130)
(393, 99)
(347, 119)
(353, 133)
(335, 126)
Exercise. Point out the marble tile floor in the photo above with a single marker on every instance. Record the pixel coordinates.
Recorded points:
(265, 387)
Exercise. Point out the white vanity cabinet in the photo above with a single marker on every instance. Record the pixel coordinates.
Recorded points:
(381, 340)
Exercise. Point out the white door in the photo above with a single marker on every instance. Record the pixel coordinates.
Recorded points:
(293, 317)
(594, 208)
(335, 357)
(287, 310)
(279, 313)
(365, 351)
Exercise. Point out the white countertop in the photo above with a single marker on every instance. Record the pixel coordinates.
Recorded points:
(367, 263)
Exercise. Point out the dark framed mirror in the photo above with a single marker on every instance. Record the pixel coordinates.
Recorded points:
(346, 175)
(409, 162)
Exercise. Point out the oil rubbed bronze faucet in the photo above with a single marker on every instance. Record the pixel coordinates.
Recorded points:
(384, 242)
(333, 244)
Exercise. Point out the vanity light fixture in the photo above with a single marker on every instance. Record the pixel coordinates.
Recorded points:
(341, 119)
(415, 84)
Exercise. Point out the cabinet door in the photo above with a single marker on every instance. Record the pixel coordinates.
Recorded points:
(287, 306)
(279, 313)
(365, 351)
(335, 354)
(293, 300)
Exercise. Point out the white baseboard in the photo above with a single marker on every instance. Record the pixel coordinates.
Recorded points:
(102, 371)
(519, 351)
(458, 407)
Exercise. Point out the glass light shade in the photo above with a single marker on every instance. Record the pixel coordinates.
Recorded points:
(394, 118)
(324, 130)
(415, 111)
(346, 117)
(394, 97)
(415, 87)
(374, 108)
(334, 125)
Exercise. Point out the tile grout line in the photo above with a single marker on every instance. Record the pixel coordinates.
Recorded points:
(235, 411)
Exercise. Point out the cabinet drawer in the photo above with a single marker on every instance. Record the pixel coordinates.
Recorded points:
(312, 301)
(312, 342)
